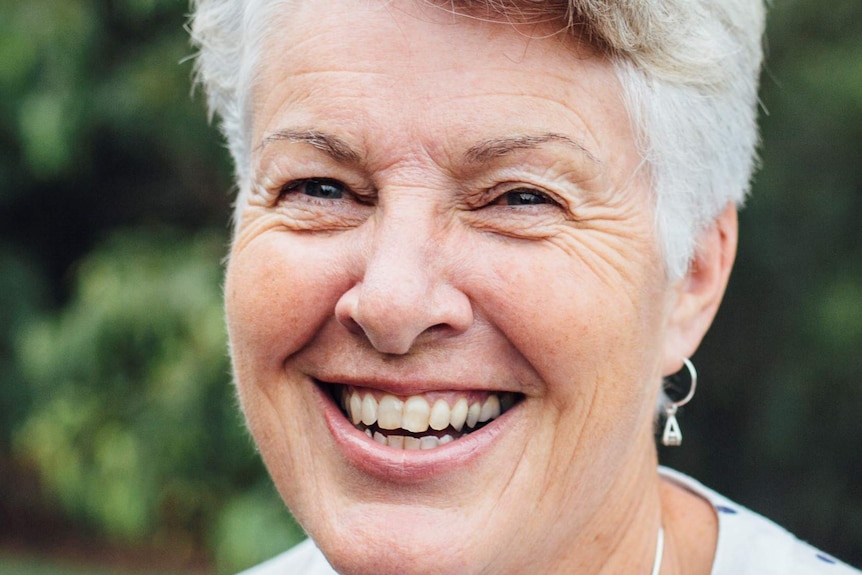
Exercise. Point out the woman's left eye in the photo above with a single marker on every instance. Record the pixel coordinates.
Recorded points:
(522, 197)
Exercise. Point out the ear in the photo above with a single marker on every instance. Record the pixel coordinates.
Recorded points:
(699, 293)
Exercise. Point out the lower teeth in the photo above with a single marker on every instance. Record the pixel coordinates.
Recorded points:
(408, 442)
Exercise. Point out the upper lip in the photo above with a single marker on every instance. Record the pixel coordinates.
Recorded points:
(407, 387)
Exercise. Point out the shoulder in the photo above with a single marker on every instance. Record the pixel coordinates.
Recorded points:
(303, 559)
(750, 544)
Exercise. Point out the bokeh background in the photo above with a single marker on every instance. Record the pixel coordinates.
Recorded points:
(121, 450)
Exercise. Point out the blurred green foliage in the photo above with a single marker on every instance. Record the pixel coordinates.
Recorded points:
(133, 425)
(133, 416)
(114, 201)
(114, 385)
(14, 564)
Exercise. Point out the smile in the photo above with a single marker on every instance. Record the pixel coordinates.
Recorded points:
(420, 422)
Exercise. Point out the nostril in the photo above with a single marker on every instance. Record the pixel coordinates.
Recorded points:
(438, 329)
(346, 309)
(352, 325)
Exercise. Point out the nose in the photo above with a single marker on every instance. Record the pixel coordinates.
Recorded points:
(406, 295)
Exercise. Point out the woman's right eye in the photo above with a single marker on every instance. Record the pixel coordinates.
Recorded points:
(321, 188)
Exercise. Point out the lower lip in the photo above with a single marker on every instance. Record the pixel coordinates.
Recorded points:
(410, 466)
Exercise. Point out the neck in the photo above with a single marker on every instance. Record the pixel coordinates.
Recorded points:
(691, 532)
(618, 536)
(631, 532)
(621, 535)
(689, 522)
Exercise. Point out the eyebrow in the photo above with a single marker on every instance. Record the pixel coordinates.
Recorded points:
(332, 146)
(498, 147)
(481, 152)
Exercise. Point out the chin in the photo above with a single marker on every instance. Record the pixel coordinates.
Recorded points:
(407, 541)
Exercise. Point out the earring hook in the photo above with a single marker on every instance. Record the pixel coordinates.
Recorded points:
(672, 435)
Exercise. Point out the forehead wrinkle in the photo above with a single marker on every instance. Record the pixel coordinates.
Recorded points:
(331, 145)
(493, 148)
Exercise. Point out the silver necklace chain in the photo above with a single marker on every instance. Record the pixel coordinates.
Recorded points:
(659, 551)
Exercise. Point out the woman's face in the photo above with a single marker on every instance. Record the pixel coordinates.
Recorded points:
(447, 216)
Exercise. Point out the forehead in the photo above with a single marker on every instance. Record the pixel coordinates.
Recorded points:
(400, 70)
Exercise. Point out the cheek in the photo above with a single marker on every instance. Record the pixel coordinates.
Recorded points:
(588, 339)
(279, 290)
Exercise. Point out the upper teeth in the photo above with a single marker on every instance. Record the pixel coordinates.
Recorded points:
(415, 414)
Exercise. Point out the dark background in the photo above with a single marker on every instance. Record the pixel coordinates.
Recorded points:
(120, 444)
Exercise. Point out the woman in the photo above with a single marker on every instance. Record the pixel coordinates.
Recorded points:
(472, 239)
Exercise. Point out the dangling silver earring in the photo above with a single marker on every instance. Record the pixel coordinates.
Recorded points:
(672, 435)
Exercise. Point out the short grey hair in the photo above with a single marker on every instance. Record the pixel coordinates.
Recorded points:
(688, 68)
